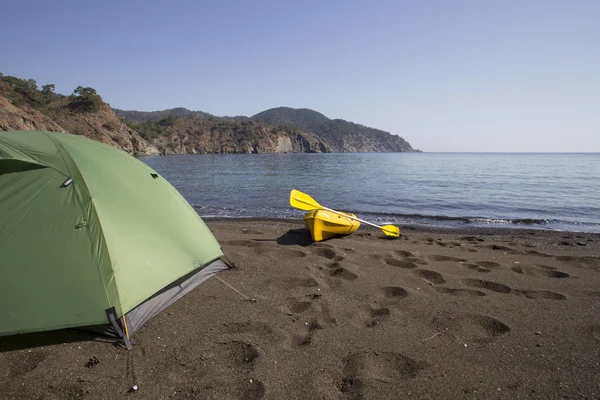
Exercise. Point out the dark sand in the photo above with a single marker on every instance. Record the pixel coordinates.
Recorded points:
(481, 314)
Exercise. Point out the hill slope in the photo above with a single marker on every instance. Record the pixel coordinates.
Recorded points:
(24, 106)
(342, 136)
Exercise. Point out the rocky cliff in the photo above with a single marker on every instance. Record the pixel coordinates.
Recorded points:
(101, 126)
(201, 136)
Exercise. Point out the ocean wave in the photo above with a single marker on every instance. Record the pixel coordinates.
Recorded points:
(520, 221)
(209, 211)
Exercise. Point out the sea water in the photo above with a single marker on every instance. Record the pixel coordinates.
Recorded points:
(518, 190)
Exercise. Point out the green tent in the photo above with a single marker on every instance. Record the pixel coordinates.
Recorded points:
(89, 234)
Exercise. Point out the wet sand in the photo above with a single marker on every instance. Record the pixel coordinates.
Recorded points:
(476, 314)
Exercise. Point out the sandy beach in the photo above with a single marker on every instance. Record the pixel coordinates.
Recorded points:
(476, 314)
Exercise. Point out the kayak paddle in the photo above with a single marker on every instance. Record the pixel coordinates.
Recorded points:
(303, 201)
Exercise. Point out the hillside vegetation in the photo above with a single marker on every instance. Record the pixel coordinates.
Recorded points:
(25, 106)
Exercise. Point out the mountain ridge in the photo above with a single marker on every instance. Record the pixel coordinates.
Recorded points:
(24, 106)
(341, 135)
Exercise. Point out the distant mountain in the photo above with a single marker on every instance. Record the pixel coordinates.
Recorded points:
(24, 106)
(342, 136)
(302, 118)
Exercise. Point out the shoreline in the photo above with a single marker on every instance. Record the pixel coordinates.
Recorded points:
(500, 230)
(435, 313)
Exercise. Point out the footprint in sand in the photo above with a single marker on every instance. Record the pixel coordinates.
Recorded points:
(481, 284)
(312, 315)
(405, 254)
(306, 330)
(291, 253)
(410, 257)
(378, 315)
(303, 339)
(445, 258)
(483, 266)
(399, 263)
(503, 248)
(447, 244)
(540, 294)
(253, 390)
(242, 353)
(294, 282)
(566, 243)
(473, 328)
(430, 276)
(409, 260)
(488, 264)
(590, 262)
(537, 253)
(296, 306)
(258, 247)
(570, 258)
(472, 239)
(241, 356)
(392, 294)
(364, 371)
(337, 270)
(477, 268)
(459, 291)
(327, 252)
(541, 270)
(500, 288)
(257, 329)
(340, 272)
(21, 366)
(489, 325)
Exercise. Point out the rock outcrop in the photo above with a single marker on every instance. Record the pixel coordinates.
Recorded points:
(14, 118)
(200, 136)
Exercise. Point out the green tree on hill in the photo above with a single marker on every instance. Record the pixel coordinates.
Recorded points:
(48, 89)
(85, 99)
(26, 89)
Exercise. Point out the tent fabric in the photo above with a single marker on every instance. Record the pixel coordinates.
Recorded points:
(163, 299)
(85, 227)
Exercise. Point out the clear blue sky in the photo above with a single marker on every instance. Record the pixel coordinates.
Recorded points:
(446, 75)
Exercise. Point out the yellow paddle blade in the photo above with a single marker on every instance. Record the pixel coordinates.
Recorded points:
(391, 230)
(303, 201)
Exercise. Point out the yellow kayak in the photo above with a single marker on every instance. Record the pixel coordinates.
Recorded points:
(324, 224)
